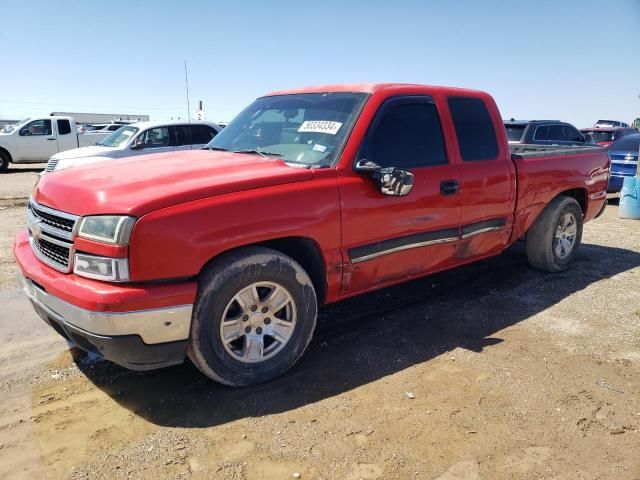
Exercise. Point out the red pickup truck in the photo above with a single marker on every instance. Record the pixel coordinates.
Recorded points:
(307, 197)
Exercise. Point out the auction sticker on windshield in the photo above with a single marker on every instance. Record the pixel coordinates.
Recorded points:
(320, 126)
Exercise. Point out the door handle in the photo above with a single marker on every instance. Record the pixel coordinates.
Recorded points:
(51, 139)
(449, 187)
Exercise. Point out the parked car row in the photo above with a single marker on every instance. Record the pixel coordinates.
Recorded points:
(624, 160)
(141, 138)
(620, 140)
(60, 141)
(35, 140)
(544, 132)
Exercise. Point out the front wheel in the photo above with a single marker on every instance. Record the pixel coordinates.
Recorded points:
(254, 316)
(4, 162)
(554, 238)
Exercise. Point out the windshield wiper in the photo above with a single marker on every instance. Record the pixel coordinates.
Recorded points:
(259, 152)
(219, 149)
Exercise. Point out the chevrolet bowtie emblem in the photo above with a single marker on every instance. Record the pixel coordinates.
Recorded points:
(36, 229)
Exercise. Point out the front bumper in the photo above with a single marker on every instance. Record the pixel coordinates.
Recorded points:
(139, 339)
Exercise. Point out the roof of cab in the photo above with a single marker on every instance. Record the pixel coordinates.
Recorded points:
(363, 88)
(156, 123)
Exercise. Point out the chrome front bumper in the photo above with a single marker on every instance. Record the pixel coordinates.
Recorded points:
(139, 340)
(152, 326)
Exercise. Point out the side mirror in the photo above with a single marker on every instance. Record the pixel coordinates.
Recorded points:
(392, 181)
(137, 146)
(24, 132)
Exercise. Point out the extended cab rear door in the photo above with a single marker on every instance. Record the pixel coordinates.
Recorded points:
(67, 134)
(390, 238)
(487, 175)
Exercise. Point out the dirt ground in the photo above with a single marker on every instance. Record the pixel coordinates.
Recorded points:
(491, 371)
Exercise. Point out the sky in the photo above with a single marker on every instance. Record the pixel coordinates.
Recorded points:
(576, 61)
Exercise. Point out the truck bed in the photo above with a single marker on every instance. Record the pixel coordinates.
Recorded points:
(522, 151)
(545, 170)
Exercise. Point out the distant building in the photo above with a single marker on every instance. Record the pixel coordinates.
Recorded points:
(84, 118)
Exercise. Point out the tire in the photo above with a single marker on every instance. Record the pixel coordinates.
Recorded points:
(4, 162)
(554, 238)
(225, 307)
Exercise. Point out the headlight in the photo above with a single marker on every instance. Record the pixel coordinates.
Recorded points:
(101, 268)
(107, 228)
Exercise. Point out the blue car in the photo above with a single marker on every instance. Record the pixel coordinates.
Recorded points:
(624, 160)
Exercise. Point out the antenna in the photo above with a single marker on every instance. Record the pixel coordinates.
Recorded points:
(186, 83)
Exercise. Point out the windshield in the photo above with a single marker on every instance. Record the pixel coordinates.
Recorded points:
(514, 132)
(307, 129)
(607, 123)
(11, 128)
(119, 137)
(600, 136)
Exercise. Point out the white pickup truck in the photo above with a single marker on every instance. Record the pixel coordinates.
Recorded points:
(35, 140)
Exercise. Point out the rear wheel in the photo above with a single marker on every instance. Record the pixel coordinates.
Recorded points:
(254, 316)
(554, 238)
(4, 162)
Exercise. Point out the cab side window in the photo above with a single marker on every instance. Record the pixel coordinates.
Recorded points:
(556, 133)
(542, 133)
(572, 135)
(192, 134)
(406, 133)
(64, 127)
(154, 138)
(474, 129)
(37, 127)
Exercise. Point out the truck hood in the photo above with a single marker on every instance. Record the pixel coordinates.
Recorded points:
(139, 185)
(93, 151)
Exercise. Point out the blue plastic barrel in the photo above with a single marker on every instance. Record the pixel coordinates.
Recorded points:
(630, 198)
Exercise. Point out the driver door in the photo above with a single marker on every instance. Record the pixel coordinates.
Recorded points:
(390, 238)
(37, 141)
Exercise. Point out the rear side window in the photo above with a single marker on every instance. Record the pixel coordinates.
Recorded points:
(474, 129)
(192, 134)
(407, 134)
(542, 133)
(201, 134)
(64, 127)
(556, 132)
(572, 134)
(550, 132)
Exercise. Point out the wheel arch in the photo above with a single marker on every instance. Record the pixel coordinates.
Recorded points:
(580, 195)
(304, 250)
(7, 153)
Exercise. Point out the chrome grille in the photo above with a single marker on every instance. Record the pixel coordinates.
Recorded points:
(51, 233)
(55, 253)
(55, 221)
(51, 165)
